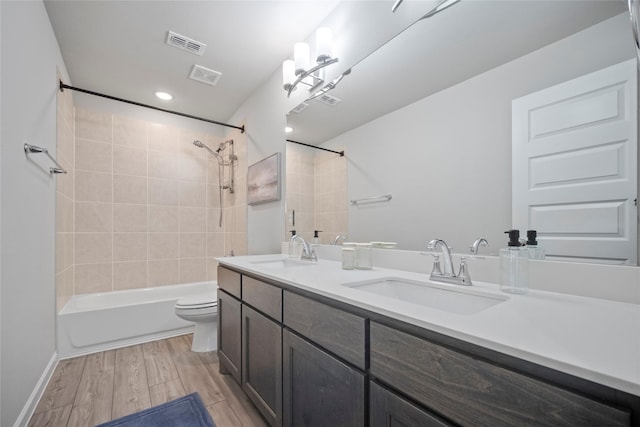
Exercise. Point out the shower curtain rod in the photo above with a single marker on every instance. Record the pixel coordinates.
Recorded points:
(317, 148)
(65, 86)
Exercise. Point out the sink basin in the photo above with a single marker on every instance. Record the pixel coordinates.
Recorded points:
(444, 298)
(283, 263)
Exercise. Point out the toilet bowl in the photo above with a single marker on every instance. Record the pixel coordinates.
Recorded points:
(201, 309)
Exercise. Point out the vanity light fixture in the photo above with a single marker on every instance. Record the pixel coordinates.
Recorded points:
(164, 95)
(296, 70)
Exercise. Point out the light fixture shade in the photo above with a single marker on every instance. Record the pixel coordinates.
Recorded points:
(301, 57)
(288, 72)
(324, 43)
(165, 96)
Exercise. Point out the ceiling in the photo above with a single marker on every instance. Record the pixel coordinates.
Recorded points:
(467, 39)
(118, 47)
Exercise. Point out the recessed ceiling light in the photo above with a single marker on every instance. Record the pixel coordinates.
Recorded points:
(288, 129)
(164, 96)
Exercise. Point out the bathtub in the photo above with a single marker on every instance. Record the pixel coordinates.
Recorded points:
(96, 322)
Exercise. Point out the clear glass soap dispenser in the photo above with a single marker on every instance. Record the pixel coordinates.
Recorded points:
(535, 250)
(514, 265)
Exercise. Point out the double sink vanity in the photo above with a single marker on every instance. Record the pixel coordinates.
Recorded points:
(314, 345)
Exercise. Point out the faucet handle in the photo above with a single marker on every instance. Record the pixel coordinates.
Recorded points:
(463, 273)
(436, 264)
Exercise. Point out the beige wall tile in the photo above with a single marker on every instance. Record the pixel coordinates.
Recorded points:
(128, 217)
(163, 165)
(93, 217)
(192, 194)
(129, 189)
(213, 195)
(64, 288)
(129, 275)
(92, 248)
(163, 192)
(91, 278)
(129, 132)
(92, 125)
(163, 219)
(193, 245)
(215, 245)
(164, 272)
(163, 246)
(64, 251)
(193, 270)
(65, 181)
(192, 168)
(93, 156)
(64, 213)
(93, 187)
(163, 137)
(130, 246)
(212, 269)
(129, 161)
(193, 220)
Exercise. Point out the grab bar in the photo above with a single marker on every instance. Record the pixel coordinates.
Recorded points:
(29, 149)
(367, 200)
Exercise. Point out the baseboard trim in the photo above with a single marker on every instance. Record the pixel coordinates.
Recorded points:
(31, 404)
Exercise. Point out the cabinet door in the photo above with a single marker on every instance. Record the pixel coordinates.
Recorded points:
(318, 389)
(387, 409)
(262, 363)
(229, 330)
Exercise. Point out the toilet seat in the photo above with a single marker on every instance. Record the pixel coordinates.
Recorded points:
(198, 301)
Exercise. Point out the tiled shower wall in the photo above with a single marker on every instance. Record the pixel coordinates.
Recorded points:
(317, 192)
(146, 205)
(64, 200)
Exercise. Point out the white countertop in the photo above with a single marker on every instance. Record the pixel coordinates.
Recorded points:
(594, 339)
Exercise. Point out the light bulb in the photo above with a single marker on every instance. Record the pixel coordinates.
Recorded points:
(301, 57)
(288, 73)
(164, 95)
(324, 42)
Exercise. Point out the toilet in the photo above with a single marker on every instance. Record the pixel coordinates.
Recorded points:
(201, 309)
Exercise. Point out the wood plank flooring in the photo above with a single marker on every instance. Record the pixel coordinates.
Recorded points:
(99, 387)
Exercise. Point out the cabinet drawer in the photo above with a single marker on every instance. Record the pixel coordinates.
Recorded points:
(473, 392)
(387, 409)
(339, 332)
(262, 296)
(229, 281)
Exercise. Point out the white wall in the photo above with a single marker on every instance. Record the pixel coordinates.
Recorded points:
(27, 294)
(264, 117)
(446, 159)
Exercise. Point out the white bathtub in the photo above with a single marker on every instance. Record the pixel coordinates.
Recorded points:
(97, 322)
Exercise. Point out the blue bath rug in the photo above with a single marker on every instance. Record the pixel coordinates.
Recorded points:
(187, 411)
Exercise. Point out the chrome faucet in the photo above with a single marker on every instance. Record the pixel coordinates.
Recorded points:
(448, 276)
(339, 237)
(308, 253)
(476, 245)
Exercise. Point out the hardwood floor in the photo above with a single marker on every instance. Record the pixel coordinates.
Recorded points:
(92, 389)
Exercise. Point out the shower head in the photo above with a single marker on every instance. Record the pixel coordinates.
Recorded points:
(200, 144)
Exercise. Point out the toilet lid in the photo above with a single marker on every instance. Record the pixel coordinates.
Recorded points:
(198, 301)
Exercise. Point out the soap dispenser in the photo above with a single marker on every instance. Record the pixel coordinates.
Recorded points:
(514, 265)
(535, 250)
(293, 246)
(316, 236)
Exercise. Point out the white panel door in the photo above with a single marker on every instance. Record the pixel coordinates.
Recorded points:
(574, 168)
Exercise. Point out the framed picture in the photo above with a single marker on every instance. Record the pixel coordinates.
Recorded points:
(263, 180)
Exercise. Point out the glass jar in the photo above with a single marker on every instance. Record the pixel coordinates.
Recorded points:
(364, 259)
(348, 258)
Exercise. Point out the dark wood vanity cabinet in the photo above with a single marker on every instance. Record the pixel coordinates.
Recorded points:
(387, 409)
(472, 392)
(306, 360)
(250, 339)
(229, 334)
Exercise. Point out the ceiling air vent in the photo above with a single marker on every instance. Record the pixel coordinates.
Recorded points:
(185, 43)
(300, 107)
(204, 75)
(328, 99)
